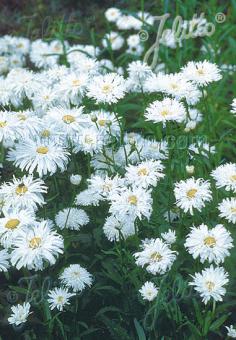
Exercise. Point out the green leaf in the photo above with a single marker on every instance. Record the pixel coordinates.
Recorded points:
(139, 330)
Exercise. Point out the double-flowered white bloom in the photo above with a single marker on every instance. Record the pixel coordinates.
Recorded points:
(212, 244)
(156, 256)
(192, 193)
(210, 283)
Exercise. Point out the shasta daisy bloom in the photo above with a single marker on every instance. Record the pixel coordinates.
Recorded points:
(113, 40)
(76, 277)
(192, 193)
(8, 126)
(71, 218)
(225, 176)
(36, 245)
(169, 237)
(165, 110)
(19, 314)
(131, 203)
(145, 174)
(148, 291)
(72, 87)
(156, 256)
(25, 192)
(112, 14)
(13, 220)
(107, 89)
(209, 244)
(233, 110)
(209, 283)
(4, 260)
(88, 197)
(41, 156)
(58, 298)
(202, 73)
(90, 140)
(231, 331)
(28, 124)
(227, 209)
(103, 185)
(69, 120)
(114, 229)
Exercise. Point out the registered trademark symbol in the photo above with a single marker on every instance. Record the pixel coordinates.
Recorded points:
(220, 17)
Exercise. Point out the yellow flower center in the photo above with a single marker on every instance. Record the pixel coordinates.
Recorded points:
(68, 119)
(45, 133)
(200, 71)
(35, 242)
(174, 86)
(12, 223)
(210, 241)
(42, 149)
(210, 285)
(191, 193)
(21, 117)
(76, 274)
(19, 45)
(233, 210)
(233, 177)
(132, 199)
(106, 88)
(102, 122)
(3, 124)
(76, 82)
(88, 139)
(143, 172)
(46, 97)
(165, 113)
(156, 257)
(60, 299)
(21, 189)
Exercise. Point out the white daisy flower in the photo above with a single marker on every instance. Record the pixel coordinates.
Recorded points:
(72, 87)
(28, 124)
(225, 176)
(103, 185)
(202, 73)
(88, 197)
(209, 283)
(114, 229)
(113, 40)
(131, 203)
(165, 110)
(41, 156)
(148, 291)
(112, 14)
(90, 140)
(231, 331)
(59, 298)
(107, 89)
(169, 236)
(4, 260)
(227, 209)
(71, 218)
(8, 126)
(156, 256)
(35, 245)
(19, 314)
(13, 220)
(76, 277)
(209, 244)
(70, 121)
(192, 193)
(24, 192)
(145, 174)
